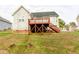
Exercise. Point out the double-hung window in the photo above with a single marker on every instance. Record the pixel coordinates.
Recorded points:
(21, 20)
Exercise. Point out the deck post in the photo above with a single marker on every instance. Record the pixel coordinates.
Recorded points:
(42, 27)
(35, 28)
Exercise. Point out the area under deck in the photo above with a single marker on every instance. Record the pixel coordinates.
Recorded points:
(39, 27)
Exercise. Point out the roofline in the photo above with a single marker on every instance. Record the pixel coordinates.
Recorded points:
(43, 11)
(46, 11)
(7, 21)
(19, 9)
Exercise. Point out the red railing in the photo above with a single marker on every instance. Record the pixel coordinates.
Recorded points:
(39, 21)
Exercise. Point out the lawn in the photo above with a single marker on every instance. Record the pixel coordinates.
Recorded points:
(42, 43)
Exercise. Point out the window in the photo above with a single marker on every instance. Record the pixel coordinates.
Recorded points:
(21, 20)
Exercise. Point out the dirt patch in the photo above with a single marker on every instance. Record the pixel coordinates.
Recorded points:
(2, 51)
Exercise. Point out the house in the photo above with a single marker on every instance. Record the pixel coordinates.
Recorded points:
(24, 21)
(77, 22)
(5, 24)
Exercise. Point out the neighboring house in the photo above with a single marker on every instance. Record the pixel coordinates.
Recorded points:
(24, 21)
(5, 24)
(77, 19)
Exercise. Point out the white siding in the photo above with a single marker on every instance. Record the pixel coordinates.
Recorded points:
(21, 14)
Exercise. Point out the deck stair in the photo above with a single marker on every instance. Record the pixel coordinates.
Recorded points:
(55, 28)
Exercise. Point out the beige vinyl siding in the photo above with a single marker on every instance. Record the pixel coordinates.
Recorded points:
(54, 21)
(18, 23)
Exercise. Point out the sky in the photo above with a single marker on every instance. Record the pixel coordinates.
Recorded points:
(67, 10)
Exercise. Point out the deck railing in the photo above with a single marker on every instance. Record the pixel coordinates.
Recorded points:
(39, 21)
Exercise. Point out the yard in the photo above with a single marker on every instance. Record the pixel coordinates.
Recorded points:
(42, 43)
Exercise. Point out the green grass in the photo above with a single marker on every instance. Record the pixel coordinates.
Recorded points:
(42, 43)
(4, 33)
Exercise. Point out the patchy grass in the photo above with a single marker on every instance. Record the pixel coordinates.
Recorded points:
(43, 43)
(4, 33)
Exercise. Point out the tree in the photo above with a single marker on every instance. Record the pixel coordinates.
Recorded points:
(72, 24)
(67, 27)
(61, 23)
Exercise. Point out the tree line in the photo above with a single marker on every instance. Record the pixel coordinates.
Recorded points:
(62, 24)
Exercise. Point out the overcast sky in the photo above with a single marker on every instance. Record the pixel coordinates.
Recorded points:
(67, 10)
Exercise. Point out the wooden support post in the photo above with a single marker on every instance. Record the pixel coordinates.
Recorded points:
(38, 29)
(32, 28)
(42, 27)
(35, 28)
(45, 28)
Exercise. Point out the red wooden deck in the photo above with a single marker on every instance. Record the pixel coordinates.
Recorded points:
(42, 22)
(39, 21)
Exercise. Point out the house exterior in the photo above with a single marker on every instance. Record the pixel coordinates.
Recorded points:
(51, 16)
(77, 21)
(5, 24)
(24, 21)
